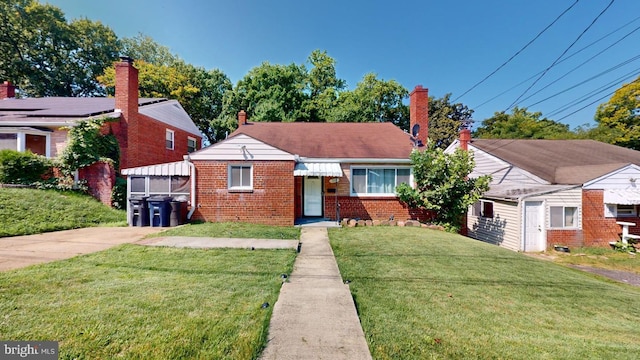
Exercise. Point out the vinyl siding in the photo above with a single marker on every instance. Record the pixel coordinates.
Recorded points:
(502, 230)
(620, 179)
(242, 148)
(572, 197)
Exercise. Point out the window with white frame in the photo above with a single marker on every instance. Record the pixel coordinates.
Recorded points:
(378, 180)
(169, 139)
(563, 216)
(483, 208)
(240, 177)
(191, 144)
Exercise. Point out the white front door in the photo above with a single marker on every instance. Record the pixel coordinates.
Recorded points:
(534, 239)
(313, 196)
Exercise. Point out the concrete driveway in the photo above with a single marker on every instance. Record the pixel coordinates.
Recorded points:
(21, 251)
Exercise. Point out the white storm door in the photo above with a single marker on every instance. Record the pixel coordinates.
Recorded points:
(534, 239)
(313, 196)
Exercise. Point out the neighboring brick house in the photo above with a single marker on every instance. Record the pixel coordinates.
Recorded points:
(553, 192)
(149, 130)
(275, 173)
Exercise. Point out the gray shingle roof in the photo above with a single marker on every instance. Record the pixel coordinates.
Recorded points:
(560, 161)
(65, 110)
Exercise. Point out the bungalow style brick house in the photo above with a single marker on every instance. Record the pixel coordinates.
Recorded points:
(553, 192)
(275, 173)
(149, 130)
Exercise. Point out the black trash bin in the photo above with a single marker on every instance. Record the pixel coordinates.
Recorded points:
(159, 210)
(139, 214)
(178, 212)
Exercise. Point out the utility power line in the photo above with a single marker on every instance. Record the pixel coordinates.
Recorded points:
(515, 102)
(518, 52)
(564, 59)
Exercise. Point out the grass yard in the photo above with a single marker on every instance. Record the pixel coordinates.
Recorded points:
(605, 258)
(138, 302)
(424, 294)
(31, 211)
(233, 230)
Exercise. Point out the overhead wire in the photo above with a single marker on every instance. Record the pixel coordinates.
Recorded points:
(593, 93)
(518, 52)
(578, 66)
(564, 59)
(617, 66)
(515, 102)
(593, 102)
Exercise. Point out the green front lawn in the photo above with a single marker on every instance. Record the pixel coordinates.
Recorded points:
(31, 211)
(138, 302)
(599, 257)
(424, 294)
(233, 230)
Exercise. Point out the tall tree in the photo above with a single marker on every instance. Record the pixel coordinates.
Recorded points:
(443, 184)
(446, 120)
(143, 47)
(270, 93)
(323, 86)
(46, 56)
(522, 124)
(373, 99)
(200, 92)
(618, 120)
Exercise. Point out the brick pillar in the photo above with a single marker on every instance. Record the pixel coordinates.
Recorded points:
(7, 90)
(100, 177)
(465, 139)
(419, 112)
(242, 118)
(126, 131)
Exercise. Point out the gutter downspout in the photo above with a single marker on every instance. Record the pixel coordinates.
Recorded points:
(192, 167)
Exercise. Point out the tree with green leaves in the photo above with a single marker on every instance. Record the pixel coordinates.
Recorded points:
(446, 120)
(373, 99)
(271, 92)
(618, 120)
(522, 124)
(443, 184)
(323, 86)
(44, 55)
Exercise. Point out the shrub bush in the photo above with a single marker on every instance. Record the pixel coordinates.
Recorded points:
(119, 194)
(23, 167)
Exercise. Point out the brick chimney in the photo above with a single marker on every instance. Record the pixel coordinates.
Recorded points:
(465, 139)
(127, 102)
(7, 90)
(242, 118)
(419, 113)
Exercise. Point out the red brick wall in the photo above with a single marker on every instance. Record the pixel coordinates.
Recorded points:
(598, 229)
(366, 208)
(100, 179)
(372, 208)
(150, 143)
(571, 238)
(270, 202)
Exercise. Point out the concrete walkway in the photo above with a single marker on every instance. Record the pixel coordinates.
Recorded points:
(20, 251)
(315, 316)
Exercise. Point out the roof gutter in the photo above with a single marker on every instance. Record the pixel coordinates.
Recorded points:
(352, 160)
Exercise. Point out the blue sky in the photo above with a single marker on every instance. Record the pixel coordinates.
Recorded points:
(446, 46)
